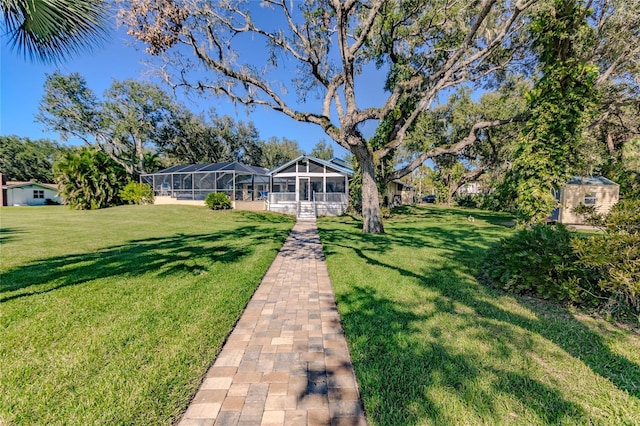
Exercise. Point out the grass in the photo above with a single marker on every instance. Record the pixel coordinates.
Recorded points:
(113, 316)
(431, 345)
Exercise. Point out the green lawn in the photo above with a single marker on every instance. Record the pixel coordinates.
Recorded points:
(113, 316)
(431, 345)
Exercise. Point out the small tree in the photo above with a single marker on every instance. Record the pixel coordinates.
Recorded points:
(137, 193)
(615, 254)
(218, 201)
(276, 152)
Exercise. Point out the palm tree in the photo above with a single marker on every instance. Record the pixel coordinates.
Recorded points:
(52, 30)
(87, 179)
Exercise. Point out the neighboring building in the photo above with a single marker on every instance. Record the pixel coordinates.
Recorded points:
(3, 190)
(595, 191)
(470, 188)
(29, 194)
(399, 193)
(310, 187)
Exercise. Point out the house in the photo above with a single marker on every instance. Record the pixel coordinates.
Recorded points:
(595, 191)
(305, 187)
(310, 187)
(29, 194)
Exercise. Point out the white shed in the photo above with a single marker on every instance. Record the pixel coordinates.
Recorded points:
(29, 193)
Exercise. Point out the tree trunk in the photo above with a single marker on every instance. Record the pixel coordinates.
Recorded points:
(371, 217)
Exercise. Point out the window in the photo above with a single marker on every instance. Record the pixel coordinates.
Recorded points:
(590, 199)
(315, 167)
(38, 193)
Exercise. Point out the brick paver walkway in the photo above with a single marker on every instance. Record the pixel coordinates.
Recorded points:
(286, 362)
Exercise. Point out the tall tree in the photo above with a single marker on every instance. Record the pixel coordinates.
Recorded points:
(426, 47)
(52, 30)
(276, 152)
(124, 124)
(133, 114)
(189, 139)
(559, 104)
(23, 159)
(322, 150)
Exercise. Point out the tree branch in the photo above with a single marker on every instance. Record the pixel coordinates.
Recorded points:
(456, 148)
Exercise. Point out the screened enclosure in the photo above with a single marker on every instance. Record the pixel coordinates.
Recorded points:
(239, 181)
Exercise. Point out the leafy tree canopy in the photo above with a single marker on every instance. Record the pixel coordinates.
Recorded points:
(23, 159)
(124, 124)
(425, 48)
(322, 150)
(193, 139)
(276, 152)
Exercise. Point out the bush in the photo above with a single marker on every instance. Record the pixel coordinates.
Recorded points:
(541, 261)
(471, 201)
(616, 255)
(218, 201)
(137, 193)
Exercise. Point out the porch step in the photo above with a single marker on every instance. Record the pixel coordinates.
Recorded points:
(307, 211)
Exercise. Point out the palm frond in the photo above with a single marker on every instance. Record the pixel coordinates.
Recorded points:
(53, 30)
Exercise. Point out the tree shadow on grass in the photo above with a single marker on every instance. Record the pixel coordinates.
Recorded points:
(379, 328)
(419, 213)
(191, 254)
(403, 372)
(9, 234)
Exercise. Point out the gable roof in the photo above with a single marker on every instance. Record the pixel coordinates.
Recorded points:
(16, 185)
(331, 164)
(227, 166)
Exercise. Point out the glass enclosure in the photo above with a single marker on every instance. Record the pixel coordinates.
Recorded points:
(193, 182)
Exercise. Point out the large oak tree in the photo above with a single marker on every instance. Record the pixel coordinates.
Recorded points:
(425, 47)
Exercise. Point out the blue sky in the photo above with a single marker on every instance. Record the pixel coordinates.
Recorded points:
(22, 81)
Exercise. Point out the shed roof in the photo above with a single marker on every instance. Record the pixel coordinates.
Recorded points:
(227, 166)
(11, 185)
(590, 180)
(404, 184)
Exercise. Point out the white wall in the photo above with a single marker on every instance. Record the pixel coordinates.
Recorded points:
(23, 196)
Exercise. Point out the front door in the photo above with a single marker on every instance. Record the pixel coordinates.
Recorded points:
(303, 189)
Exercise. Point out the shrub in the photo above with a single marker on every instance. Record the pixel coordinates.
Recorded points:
(218, 201)
(88, 179)
(616, 255)
(540, 260)
(137, 193)
(471, 201)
